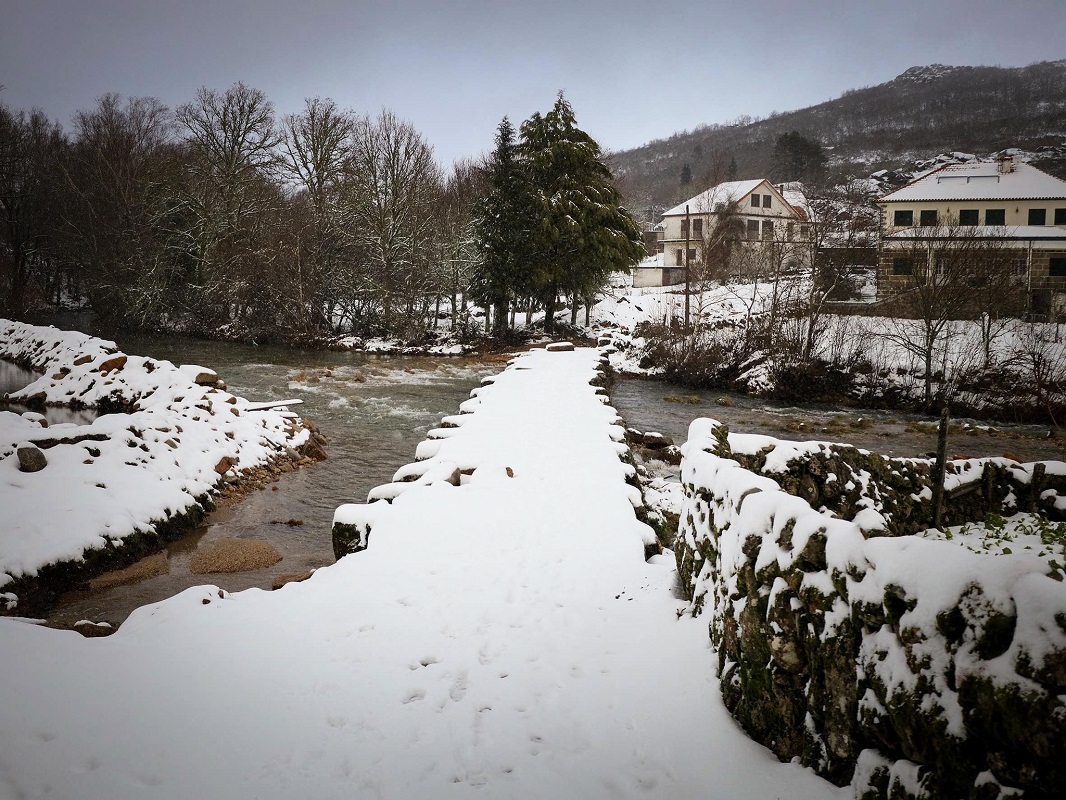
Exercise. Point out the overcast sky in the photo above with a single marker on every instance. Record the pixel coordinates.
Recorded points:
(634, 71)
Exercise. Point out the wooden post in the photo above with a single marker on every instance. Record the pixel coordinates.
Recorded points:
(1036, 487)
(940, 469)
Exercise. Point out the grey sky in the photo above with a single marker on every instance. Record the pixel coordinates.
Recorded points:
(634, 71)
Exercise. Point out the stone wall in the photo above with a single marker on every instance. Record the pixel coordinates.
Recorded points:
(905, 666)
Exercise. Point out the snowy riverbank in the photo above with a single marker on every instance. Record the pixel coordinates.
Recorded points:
(504, 637)
(175, 440)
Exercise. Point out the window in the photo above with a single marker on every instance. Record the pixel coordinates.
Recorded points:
(1019, 266)
(902, 266)
(753, 229)
(927, 219)
(697, 227)
(767, 199)
(1060, 216)
(1037, 216)
(768, 229)
(692, 255)
(995, 216)
(805, 232)
(680, 258)
(755, 201)
(1056, 267)
(684, 229)
(903, 219)
(790, 231)
(969, 216)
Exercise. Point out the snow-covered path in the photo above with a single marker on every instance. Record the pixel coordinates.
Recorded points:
(504, 638)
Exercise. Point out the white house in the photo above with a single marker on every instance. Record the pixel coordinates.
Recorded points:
(1013, 204)
(759, 215)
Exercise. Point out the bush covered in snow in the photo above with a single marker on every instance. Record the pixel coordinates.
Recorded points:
(909, 666)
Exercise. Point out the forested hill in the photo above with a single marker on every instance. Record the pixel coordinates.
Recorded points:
(922, 112)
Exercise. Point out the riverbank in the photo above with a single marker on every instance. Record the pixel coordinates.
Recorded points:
(80, 499)
(504, 635)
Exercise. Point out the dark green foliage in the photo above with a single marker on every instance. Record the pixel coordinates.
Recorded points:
(796, 158)
(503, 231)
(583, 233)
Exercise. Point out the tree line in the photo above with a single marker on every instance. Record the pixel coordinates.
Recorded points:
(220, 218)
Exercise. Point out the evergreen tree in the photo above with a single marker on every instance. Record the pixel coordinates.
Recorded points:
(796, 158)
(686, 175)
(731, 174)
(583, 232)
(503, 228)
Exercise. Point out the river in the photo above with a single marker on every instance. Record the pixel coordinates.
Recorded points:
(375, 410)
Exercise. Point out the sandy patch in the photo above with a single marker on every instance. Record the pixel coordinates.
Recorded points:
(150, 567)
(233, 555)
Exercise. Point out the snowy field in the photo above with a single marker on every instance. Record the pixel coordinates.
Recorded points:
(503, 638)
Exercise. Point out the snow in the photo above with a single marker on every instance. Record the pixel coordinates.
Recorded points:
(980, 180)
(121, 473)
(728, 192)
(929, 575)
(501, 638)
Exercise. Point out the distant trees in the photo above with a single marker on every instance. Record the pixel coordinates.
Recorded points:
(119, 219)
(29, 148)
(559, 227)
(218, 218)
(583, 232)
(796, 158)
(503, 230)
(397, 183)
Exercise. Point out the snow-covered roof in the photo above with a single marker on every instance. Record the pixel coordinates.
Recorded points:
(983, 232)
(980, 180)
(728, 192)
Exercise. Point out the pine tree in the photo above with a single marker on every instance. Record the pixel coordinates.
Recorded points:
(503, 230)
(583, 232)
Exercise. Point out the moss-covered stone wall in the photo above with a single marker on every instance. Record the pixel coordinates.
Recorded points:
(905, 666)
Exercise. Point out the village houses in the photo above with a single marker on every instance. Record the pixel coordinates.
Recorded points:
(1004, 207)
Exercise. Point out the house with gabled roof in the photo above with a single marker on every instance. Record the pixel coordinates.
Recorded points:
(1006, 202)
(759, 216)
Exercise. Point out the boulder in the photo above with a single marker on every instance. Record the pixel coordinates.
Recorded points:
(224, 465)
(31, 457)
(113, 363)
(559, 347)
(201, 376)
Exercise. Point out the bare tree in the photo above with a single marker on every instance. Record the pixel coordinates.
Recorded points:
(841, 223)
(318, 147)
(398, 184)
(118, 211)
(29, 146)
(941, 273)
(232, 160)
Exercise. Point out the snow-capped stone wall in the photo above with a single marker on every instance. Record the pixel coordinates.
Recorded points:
(908, 666)
(167, 439)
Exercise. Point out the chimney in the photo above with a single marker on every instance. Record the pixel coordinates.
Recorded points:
(1006, 164)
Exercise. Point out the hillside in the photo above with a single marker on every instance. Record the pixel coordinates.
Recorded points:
(918, 114)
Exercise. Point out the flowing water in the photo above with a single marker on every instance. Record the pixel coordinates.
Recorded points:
(375, 410)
